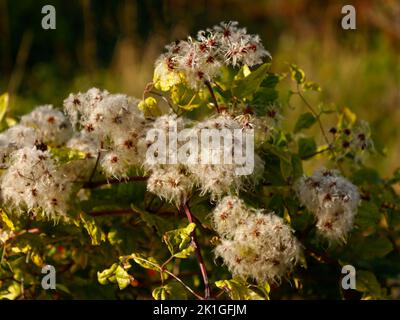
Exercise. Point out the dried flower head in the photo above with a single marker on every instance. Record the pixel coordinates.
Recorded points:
(171, 183)
(259, 246)
(332, 199)
(52, 126)
(197, 61)
(34, 183)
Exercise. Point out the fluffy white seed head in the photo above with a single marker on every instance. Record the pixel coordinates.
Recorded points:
(14, 138)
(33, 183)
(228, 215)
(237, 46)
(165, 127)
(20, 136)
(197, 61)
(332, 199)
(115, 123)
(51, 125)
(172, 183)
(262, 248)
(114, 164)
(218, 176)
(114, 115)
(79, 106)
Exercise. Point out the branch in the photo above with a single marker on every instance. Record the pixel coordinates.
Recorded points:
(317, 116)
(173, 276)
(203, 269)
(210, 89)
(94, 168)
(31, 231)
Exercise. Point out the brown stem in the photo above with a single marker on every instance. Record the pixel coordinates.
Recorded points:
(318, 152)
(317, 116)
(173, 276)
(210, 89)
(202, 265)
(164, 98)
(94, 168)
(31, 231)
(166, 262)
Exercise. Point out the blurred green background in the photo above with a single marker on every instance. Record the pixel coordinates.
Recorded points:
(113, 45)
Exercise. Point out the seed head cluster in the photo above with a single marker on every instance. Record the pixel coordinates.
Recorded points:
(196, 61)
(254, 244)
(332, 199)
(34, 184)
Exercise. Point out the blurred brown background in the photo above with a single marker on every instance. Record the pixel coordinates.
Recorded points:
(113, 45)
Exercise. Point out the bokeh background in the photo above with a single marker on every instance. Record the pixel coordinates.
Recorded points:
(113, 45)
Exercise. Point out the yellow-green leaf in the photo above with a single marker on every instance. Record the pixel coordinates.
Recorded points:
(95, 233)
(173, 290)
(4, 99)
(239, 290)
(179, 241)
(297, 74)
(6, 220)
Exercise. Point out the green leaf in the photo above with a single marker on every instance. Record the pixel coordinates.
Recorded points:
(4, 99)
(179, 241)
(6, 220)
(63, 288)
(149, 106)
(164, 80)
(297, 167)
(367, 248)
(305, 121)
(108, 275)
(185, 97)
(243, 72)
(286, 170)
(115, 274)
(366, 176)
(95, 233)
(222, 94)
(262, 98)
(160, 224)
(12, 292)
(281, 154)
(238, 290)
(307, 147)
(201, 210)
(311, 86)
(147, 263)
(226, 77)
(368, 215)
(270, 81)
(396, 177)
(123, 238)
(297, 74)
(247, 86)
(65, 155)
(366, 282)
(171, 291)
(347, 118)
(148, 103)
(123, 278)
